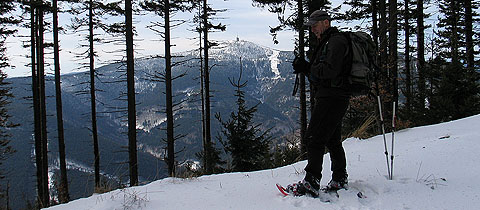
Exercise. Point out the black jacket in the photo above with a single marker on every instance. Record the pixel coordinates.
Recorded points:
(328, 65)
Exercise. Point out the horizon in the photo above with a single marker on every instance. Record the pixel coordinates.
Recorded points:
(50, 74)
(241, 20)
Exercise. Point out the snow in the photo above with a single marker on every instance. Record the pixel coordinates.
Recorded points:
(435, 167)
(274, 61)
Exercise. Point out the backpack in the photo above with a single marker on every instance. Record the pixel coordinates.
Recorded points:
(360, 72)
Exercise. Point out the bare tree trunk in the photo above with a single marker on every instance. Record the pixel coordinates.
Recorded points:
(408, 78)
(421, 55)
(454, 39)
(202, 91)
(374, 21)
(206, 72)
(43, 114)
(63, 188)
(303, 95)
(93, 102)
(469, 35)
(168, 93)
(383, 34)
(36, 102)
(393, 41)
(132, 132)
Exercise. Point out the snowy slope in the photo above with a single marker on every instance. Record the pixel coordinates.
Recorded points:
(435, 167)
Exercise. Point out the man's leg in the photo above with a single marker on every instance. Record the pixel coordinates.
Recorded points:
(337, 156)
(326, 117)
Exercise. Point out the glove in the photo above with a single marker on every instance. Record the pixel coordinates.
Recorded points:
(300, 65)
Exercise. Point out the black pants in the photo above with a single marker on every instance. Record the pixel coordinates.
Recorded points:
(324, 130)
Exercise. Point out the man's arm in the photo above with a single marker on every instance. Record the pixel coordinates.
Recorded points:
(330, 66)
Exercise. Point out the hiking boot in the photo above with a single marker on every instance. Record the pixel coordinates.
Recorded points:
(337, 184)
(308, 186)
(312, 181)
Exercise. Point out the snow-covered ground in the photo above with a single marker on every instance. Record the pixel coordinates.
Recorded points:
(435, 167)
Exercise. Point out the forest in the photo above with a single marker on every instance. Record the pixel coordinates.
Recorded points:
(432, 77)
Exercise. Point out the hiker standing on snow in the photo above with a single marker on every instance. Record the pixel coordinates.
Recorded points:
(324, 72)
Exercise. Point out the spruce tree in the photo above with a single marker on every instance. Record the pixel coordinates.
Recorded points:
(96, 14)
(421, 85)
(165, 9)
(407, 90)
(393, 48)
(210, 154)
(247, 145)
(63, 187)
(132, 114)
(471, 36)
(6, 21)
(455, 89)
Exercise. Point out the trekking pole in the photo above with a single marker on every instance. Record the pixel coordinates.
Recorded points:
(295, 86)
(383, 132)
(393, 137)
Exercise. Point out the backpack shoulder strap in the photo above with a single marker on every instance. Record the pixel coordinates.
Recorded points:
(348, 54)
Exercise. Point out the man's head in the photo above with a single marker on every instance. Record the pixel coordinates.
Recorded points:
(319, 22)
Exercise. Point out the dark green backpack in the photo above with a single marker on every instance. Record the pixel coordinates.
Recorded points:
(360, 72)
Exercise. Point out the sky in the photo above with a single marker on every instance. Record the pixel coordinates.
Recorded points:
(241, 18)
(435, 167)
(243, 21)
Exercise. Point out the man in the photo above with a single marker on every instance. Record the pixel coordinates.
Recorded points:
(326, 73)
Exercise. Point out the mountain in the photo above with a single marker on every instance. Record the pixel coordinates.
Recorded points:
(436, 167)
(270, 83)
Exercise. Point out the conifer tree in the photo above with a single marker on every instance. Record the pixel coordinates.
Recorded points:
(210, 154)
(165, 8)
(95, 19)
(63, 187)
(421, 95)
(470, 36)
(132, 114)
(393, 48)
(407, 71)
(36, 10)
(456, 89)
(6, 22)
(242, 138)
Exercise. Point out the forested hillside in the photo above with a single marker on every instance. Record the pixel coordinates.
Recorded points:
(128, 118)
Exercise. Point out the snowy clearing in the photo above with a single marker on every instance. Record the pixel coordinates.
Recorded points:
(435, 167)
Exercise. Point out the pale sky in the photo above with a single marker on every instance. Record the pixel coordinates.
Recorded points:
(241, 18)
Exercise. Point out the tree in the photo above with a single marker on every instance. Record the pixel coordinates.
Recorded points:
(421, 56)
(469, 33)
(247, 145)
(35, 98)
(6, 21)
(407, 71)
(63, 188)
(209, 152)
(199, 20)
(164, 8)
(132, 123)
(35, 9)
(456, 91)
(208, 156)
(37, 46)
(91, 56)
(450, 30)
(393, 48)
(96, 11)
